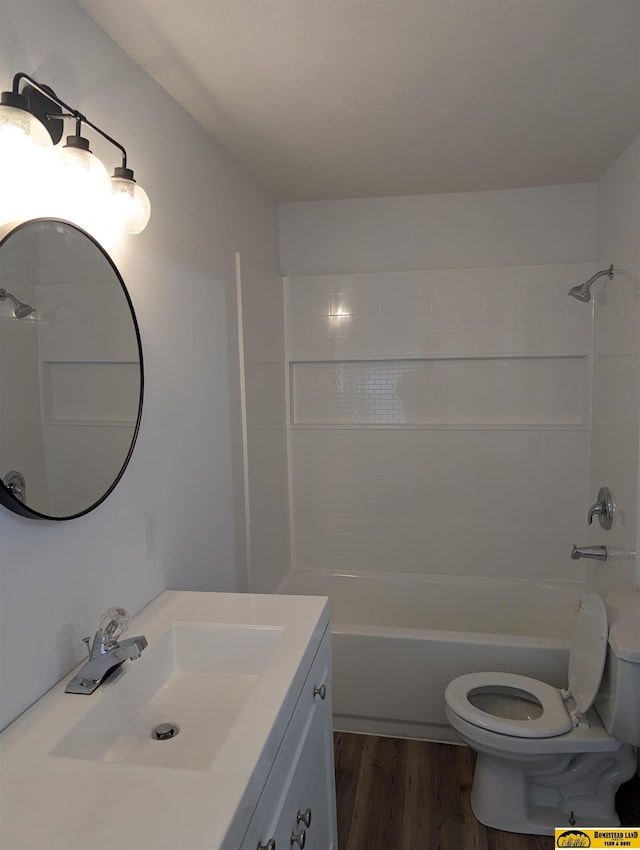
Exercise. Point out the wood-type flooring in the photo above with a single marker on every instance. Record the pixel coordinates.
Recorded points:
(395, 794)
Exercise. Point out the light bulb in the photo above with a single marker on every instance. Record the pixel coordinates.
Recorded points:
(131, 205)
(25, 151)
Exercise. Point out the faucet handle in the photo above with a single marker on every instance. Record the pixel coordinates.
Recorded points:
(603, 509)
(113, 623)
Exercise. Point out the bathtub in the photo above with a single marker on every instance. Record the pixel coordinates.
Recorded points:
(398, 640)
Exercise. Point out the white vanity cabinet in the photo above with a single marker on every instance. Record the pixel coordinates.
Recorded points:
(297, 805)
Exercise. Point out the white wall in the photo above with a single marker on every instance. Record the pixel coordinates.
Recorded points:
(555, 224)
(616, 382)
(467, 290)
(56, 579)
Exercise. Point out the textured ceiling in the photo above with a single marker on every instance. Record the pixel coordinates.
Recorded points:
(361, 98)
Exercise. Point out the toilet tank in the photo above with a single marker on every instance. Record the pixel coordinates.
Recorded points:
(618, 699)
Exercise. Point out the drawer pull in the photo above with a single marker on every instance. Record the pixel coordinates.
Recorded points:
(304, 817)
(320, 692)
(299, 839)
(270, 845)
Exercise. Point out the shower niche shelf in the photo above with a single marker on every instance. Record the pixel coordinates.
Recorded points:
(82, 393)
(492, 393)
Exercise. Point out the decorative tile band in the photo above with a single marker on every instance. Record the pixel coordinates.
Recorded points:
(458, 391)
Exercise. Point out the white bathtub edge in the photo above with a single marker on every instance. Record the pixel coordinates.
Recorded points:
(437, 733)
(438, 577)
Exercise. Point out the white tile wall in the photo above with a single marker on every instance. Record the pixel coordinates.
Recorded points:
(616, 376)
(508, 311)
(503, 349)
(441, 502)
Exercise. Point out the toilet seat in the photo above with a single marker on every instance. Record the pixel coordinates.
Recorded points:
(560, 710)
(554, 719)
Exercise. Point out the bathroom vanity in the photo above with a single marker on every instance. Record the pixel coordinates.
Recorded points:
(219, 737)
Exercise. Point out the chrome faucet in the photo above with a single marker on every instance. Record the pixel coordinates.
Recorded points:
(598, 553)
(106, 653)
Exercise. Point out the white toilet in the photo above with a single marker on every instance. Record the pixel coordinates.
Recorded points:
(548, 758)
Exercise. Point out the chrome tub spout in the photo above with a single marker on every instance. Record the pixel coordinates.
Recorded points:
(597, 553)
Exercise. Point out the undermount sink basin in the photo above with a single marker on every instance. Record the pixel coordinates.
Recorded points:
(196, 677)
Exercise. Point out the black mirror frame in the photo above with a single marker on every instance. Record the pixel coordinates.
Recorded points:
(7, 499)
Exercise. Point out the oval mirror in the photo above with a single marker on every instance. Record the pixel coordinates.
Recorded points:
(71, 372)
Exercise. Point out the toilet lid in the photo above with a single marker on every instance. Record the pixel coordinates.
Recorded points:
(553, 720)
(588, 651)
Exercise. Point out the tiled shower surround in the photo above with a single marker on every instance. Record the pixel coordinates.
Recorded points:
(438, 420)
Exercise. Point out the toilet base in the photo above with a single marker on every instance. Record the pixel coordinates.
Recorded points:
(538, 793)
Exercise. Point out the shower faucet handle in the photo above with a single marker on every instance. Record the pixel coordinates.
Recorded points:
(603, 509)
(16, 485)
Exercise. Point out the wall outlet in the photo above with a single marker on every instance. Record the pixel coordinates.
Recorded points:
(149, 531)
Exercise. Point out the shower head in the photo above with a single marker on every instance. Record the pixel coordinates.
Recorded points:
(21, 310)
(583, 290)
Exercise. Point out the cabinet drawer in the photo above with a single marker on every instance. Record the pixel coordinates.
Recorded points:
(311, 723)
(307, 816)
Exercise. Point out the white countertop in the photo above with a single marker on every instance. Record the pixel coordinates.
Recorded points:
(50, 801)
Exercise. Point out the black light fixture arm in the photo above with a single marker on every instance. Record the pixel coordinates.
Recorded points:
(66, 110)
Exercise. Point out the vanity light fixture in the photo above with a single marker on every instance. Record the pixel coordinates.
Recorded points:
(76, 181)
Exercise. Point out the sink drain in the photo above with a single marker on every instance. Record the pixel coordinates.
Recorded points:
(165, 731)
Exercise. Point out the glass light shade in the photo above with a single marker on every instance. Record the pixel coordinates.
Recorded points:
(131, 205)
(25, 152)
(82, 192)
(19, 127)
